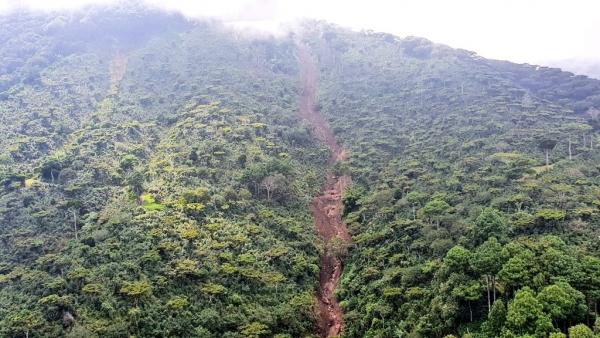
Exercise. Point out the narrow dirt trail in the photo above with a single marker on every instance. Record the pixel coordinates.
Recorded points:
(327, 207)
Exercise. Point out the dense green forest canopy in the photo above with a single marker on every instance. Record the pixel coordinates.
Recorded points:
(155, 181)
(474, 207)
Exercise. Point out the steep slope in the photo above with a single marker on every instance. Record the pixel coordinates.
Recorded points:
(155, 184)
(453, 208)
(157, 180)
(327, 207)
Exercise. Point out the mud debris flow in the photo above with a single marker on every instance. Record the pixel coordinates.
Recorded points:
(327, 207)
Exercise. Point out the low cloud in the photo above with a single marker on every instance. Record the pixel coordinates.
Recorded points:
(520, 31)
(45, 5)
(589, 67)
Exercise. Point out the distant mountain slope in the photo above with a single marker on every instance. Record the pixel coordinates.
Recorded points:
(590, 68)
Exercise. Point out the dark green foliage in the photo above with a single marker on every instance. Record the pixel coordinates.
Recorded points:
(340, 168)
(547, 144)
(495, 321)
(458, 258)
(351, 198)
(488, 224)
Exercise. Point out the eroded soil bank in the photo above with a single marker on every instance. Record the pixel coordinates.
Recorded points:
(327, 207)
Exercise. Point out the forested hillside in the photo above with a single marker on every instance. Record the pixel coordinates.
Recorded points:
(474, 204)
(155, 180)
(157, 176)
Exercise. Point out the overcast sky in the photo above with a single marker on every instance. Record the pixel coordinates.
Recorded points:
(525, 31)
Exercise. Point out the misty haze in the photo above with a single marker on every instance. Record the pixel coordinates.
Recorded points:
(285, 169)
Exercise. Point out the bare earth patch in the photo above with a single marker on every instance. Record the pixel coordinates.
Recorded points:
(327, 207)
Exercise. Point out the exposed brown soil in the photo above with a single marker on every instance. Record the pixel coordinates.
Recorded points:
(327, 207)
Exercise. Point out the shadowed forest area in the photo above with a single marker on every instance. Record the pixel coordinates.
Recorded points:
(161, 177)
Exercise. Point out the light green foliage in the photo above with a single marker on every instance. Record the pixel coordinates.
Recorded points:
(135, 289)
(212, 289)
(185, 267)
(24, 322)
(78, 273)
(580, 331)
(550, 215)
(128, 161)
(62, 301)
(149, 203)
(254, 330)
(272, 278)
(190, 234)
(93, 288)
(177, 303)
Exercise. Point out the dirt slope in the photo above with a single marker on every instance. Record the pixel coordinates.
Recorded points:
(327, 207)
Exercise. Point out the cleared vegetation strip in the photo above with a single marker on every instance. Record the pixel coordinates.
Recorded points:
(327, 207)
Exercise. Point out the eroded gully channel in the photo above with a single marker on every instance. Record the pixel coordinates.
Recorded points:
(327, 207)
